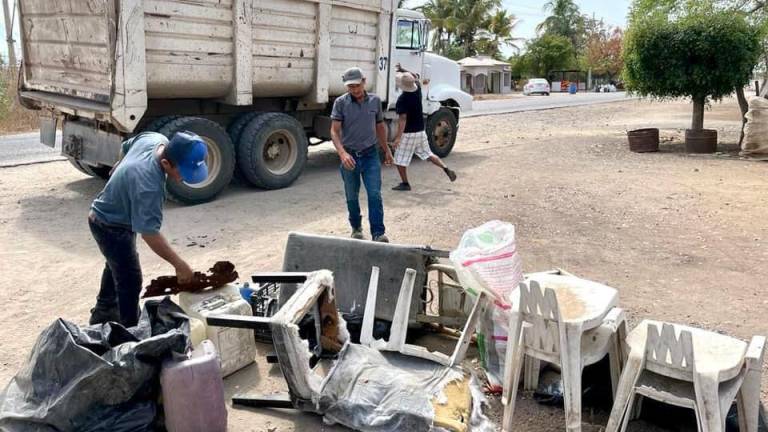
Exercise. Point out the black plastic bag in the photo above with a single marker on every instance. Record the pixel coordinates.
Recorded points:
(101, 377)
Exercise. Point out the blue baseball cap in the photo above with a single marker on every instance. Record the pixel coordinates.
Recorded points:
(187, 151)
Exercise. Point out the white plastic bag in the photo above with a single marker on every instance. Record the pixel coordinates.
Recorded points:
(487, 261)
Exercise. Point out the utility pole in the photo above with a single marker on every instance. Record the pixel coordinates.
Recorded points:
(9, 33)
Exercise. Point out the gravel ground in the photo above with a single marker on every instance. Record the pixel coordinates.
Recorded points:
(682, 237)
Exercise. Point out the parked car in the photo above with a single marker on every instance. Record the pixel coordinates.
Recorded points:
(537, 85)
(606, 88)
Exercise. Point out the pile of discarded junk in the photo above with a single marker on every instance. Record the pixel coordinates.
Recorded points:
(342, 319)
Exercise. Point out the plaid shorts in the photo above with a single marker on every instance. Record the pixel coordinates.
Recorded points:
(412, 143)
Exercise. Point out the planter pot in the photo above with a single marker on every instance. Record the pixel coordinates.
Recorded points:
(643, 140)
(700, 141)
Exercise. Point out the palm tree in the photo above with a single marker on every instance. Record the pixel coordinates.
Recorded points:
(470, 17)
(565, 19)
(502, 26)
(440, 13)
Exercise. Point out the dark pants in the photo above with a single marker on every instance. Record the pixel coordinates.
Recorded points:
(121, 279)
(367, 169)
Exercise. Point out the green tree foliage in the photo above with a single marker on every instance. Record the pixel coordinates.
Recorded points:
(565, 19)
(701, 55)
(546, 53)
(470, 26)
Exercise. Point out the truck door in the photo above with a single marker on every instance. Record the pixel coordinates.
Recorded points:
(409, 46)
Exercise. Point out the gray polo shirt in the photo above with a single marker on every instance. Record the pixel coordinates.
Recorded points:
(134, 195)
(358, 120)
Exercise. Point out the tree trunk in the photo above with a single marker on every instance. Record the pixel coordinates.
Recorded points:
(698, 113)
(744, 107)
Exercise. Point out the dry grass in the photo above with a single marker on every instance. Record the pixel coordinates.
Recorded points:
(13, 117)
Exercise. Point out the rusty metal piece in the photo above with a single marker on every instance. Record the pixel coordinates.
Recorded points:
(222, 273)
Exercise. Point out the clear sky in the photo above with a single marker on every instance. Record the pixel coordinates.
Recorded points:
(530, 13)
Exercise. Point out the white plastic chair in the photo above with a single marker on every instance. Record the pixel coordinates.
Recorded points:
(690, 368)
(537, 331)
(400, 320)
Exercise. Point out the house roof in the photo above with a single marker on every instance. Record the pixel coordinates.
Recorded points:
(481, 61)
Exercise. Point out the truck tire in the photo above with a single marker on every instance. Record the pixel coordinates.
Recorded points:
(158, 123)
(272, 151)
(235, 129)
(220, 160)
(442, 128)
(100, 171)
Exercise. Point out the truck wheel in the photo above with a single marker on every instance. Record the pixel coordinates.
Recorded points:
(158, 123)
(441, 132)
(235, 129)
(272, 151)
(220, 160)
(100, 171)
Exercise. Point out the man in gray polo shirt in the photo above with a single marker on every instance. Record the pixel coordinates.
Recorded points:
(358, 123)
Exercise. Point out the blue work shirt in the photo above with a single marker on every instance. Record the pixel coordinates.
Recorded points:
(135, 193)
(358, 120)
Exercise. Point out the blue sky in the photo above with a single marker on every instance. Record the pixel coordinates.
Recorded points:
(530, 13)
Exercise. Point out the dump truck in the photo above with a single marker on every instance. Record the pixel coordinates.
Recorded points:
(256, 79)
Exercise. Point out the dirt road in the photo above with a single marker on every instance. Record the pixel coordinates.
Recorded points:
(684, 238)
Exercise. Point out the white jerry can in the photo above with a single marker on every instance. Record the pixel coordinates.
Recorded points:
(236, 347)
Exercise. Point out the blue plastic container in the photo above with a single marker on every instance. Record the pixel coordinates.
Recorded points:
(573, 88)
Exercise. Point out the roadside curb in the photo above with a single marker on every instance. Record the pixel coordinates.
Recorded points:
(544, 108)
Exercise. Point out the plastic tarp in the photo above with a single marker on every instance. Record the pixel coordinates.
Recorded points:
(95, 378)
(372, 391)
(755, 142)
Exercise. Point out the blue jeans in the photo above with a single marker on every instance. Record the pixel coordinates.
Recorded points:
(367, 169)
(121, 278)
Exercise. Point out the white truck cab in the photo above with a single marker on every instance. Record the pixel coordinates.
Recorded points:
(410, 38)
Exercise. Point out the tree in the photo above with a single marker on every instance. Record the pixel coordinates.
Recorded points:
(471, 16)
(476, 26)
(544, 54)
(703, 56)
(501, 26)
(440, 13)
(565, 19)
(602, 52)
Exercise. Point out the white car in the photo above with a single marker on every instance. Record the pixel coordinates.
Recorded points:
(537, 85)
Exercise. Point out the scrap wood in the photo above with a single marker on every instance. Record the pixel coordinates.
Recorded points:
(441, 329)
(222, 273)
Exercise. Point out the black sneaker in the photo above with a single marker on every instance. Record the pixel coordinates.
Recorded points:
(402, 187)
(451, 174)
(104, 315)
(357, 234)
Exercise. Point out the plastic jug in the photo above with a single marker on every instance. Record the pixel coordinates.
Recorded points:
(196, 331)
(193, 392)
(236, 347)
